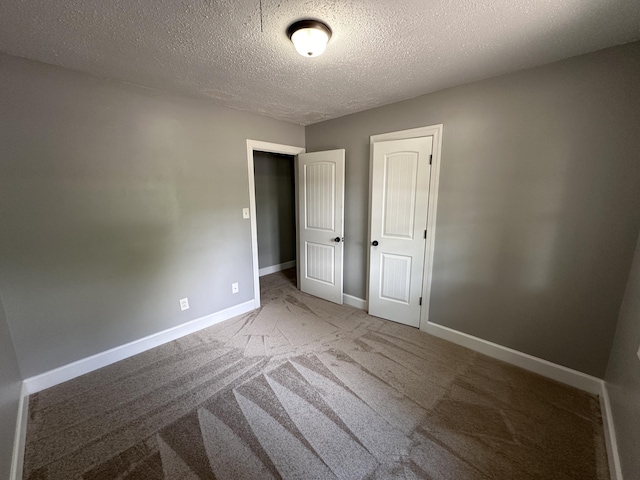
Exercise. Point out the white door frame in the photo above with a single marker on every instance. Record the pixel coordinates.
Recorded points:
(253, 145)
(434, 131)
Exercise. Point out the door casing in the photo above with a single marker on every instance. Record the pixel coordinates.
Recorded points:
(253, 145)
(434, 131)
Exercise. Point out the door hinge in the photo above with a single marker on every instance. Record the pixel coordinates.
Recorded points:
(425, 234)
(430, 159)
(420, 300)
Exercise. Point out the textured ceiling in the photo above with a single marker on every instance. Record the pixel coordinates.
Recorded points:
(381, 51)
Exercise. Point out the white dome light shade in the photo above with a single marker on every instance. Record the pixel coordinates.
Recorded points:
(310, 37)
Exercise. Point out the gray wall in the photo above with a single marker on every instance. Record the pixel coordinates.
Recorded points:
(10, 386)
(275, 205)
(538, 207)
(115, 202)
(623, 376)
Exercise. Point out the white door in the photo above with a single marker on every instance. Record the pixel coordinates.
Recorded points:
(399, 200)
(321, 223)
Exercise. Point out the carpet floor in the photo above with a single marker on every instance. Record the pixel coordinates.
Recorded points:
(306, 389)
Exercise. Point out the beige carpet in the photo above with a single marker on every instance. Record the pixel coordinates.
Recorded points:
(307, 389)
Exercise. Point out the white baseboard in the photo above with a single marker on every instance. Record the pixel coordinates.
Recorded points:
(354, 301)
(17, 459)
(537, 365)
(94, 362)
(615, 470)
(276, 268)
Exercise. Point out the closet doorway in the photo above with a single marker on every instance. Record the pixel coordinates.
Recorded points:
(318, 203)
(257, 148)
(275, 211)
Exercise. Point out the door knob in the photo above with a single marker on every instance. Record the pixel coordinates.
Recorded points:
(337, 239)
(374, 243)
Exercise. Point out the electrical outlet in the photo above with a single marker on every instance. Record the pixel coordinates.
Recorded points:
(234, 288)
(184, 304)
(245, 213)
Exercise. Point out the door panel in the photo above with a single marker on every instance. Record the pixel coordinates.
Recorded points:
(320, 262)
(395, 281)
(321, 221)
(399, 201)
(400, 173)
(320, 180)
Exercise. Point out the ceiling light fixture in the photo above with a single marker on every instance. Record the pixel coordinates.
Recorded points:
(310, 37)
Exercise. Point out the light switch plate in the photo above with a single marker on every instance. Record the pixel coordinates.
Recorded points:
(245, 213)
(638, 353)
